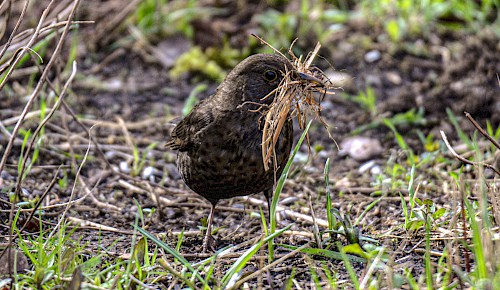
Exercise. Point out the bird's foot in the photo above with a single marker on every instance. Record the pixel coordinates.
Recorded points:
(208, 244)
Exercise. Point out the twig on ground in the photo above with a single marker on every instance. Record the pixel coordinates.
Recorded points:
(94, 199)
(316, 232)
(176, 273)
(290, 213)
(93, 225)
(14, 31)
(40, 127)
(129, 125)
(464, 160)
(40, 200)
(43, 77)
(481, 130)
(71, 197)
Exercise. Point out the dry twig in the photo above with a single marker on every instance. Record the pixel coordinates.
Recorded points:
(464, 160)
(482, 131)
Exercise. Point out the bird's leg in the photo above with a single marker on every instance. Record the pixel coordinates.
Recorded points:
(208, 241)
(269, 197)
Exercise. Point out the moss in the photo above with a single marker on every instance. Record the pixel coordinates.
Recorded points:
(194, 60)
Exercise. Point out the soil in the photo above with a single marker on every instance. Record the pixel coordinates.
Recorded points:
(131, 101)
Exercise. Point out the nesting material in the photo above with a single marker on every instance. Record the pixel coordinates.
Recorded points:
(297, 96)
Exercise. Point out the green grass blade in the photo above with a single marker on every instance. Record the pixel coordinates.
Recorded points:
(400, 140)
(243, 260)
(327, 253)
(279, 188)
(477, 248)
(368, 208)
(348, 266)
(172, 252)
(329, 214)
(428, 266)
(405, 211)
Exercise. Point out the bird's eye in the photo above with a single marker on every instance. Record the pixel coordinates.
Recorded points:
(270, 75)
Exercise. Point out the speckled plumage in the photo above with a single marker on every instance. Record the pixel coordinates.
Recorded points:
(219, 142)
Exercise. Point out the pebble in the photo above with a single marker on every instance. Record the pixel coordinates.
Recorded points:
(310, 169)
(376, 170)
(372, 56)
(147, 172)
(124, 167)
(300, 157)
(6, 176)
(340, 79)
(373, 80)
(6, 268)
(110, 154)
(489, 174)
(394, 78)
(361, 148)
(171, 213)
(366, 166)
(25, 192)
(169, 50)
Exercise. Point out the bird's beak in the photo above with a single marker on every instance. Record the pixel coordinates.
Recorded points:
(310, 78)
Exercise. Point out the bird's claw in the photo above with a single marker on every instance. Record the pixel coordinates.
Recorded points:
(208, 244)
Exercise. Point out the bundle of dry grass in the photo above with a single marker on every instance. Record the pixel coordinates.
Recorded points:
(296, 96)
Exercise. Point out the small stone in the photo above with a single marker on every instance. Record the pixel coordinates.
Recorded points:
(372, 56)
(172, 213)
(124, 167)
(488, 173)
(376, 170)
(340, 79)
(394, 78)
(21, 262)
(25, 192)
(310, 169)
(118, 194)
(300, 157)
(110, 154)
(366, 166)
(361, 148)
(373, 80)
(6, 176)
(147, 172)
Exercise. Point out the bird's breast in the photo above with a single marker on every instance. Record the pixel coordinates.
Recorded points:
(227, 160)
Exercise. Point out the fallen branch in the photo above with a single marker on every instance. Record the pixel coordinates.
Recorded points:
(464, 160)
(482, 131)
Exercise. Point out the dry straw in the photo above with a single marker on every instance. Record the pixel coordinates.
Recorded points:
(299, 94)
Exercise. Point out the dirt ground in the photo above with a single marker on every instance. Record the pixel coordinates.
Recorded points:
(129, 100)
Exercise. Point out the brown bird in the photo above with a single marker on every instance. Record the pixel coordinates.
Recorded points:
(219, 142)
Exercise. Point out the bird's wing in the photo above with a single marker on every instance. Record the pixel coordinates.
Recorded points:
(184, 135)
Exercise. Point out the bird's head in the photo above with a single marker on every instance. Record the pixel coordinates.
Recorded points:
(253, 79)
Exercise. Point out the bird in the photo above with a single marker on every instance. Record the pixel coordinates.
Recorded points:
(219, 143)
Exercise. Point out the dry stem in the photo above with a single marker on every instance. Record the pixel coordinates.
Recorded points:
(294, 97)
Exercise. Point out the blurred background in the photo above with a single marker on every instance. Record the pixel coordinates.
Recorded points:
(405, 70)
(386, 56)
